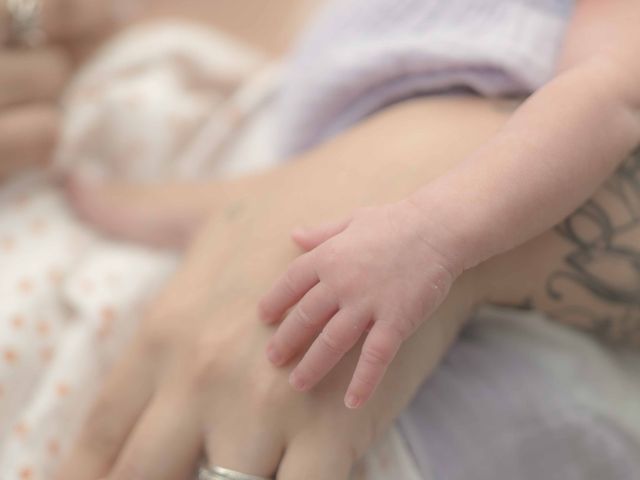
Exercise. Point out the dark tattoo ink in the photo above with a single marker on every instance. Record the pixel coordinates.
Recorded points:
(603, 263)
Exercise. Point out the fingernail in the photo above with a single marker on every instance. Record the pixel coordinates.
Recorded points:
(297, 382)
(352, 401)
(273, 355)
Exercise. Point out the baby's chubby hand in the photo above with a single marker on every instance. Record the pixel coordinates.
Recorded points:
(378, 271)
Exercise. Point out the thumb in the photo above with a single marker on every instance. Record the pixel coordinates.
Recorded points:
(164, 215)
(310, 238)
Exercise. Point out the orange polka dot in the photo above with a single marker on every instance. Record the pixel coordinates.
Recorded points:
(25, 285)
(46, 354)
(62, 389)
(38, 226)
(55, 276)
(10, 356)
(22, 200)
(108, 314)
(26, 473)
(53, 447)
(17, 322)
(21, 430)
(7, 243)
(43, 328)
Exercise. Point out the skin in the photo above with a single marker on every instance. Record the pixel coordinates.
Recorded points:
(32, 80)
(199, 350)
(385, 269)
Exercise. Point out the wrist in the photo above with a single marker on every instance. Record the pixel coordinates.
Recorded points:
(442, 220)
(435, 235)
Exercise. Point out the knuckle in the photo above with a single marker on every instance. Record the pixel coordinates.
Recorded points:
(377, 355)
(289, 282)
(206, 363)
(304, 319)
(269, 390)
(100, 431)
(332, 343)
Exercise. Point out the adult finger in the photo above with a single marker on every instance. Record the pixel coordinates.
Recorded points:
(166, 215)
(299, 278)
(28, 136)
(123, 399)
(303, 461)
(340, 335)
(310, 238)
(70, 19)
(166, 443)
(247, 447)
(32, 75)
(302, 324)
(379, 349)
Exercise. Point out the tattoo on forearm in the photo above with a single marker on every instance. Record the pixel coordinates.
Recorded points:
(603, 266)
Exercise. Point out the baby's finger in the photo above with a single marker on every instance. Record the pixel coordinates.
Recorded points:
(310, 238)
(288, 289)
(338, 337)
(379, 349)
(302, 324)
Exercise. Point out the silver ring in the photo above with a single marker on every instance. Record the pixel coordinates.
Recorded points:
(25, 27)
(221, 473)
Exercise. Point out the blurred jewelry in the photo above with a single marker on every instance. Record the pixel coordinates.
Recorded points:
(25, 27)
(220, 473)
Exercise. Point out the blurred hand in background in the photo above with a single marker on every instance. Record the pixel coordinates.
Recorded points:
(33, 74)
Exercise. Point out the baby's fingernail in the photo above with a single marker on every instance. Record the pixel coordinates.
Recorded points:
(297, 382)
(273, 355)
(352, 401)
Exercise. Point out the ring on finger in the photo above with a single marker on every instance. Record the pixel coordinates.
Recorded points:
(25, 27)
(221, 473)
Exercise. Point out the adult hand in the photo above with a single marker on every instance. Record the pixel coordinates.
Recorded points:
(196, 378)
(32, 79)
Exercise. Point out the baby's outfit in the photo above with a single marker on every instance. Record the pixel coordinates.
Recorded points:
(362, 55)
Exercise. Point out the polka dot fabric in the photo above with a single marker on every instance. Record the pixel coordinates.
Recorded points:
(161, 101)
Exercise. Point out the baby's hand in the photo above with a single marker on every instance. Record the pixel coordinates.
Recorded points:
(377, 272)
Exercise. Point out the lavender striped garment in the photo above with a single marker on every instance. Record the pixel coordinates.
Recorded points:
(518, 398)
(362, 55)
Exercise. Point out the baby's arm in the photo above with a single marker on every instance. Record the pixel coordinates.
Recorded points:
(558, 146)
(389, 267)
